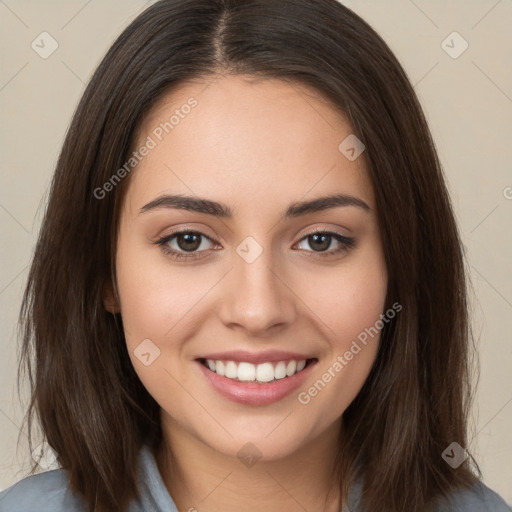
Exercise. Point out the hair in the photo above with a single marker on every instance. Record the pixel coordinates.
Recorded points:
(93, 410)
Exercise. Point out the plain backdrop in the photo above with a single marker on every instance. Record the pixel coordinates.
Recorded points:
(463, 80)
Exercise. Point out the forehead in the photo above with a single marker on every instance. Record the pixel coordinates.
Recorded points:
(248, 139)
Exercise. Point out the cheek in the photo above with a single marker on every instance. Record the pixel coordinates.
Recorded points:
(349, 314)
(154, 297)
(349, 299)
(157, 305)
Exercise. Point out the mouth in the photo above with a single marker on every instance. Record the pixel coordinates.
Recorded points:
(263, 373)
(269, 378)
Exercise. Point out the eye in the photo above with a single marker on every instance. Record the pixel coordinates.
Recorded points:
(321, 241)
(187, 244)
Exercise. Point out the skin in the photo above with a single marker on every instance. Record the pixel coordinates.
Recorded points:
(256, 146)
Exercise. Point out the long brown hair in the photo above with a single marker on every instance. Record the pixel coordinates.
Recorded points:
(93, 409)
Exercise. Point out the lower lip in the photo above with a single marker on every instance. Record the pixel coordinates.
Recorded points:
(253, 393)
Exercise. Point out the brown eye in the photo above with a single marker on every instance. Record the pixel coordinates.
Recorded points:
(321, 241)
(188, 241)
(184, 244)
(189, 244)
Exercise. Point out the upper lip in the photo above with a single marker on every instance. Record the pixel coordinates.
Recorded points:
(255, 357)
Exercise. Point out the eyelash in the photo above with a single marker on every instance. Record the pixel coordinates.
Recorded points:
(347, 243)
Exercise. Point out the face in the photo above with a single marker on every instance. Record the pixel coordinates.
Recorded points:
(241, 305)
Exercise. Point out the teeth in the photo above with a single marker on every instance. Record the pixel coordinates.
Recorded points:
(291, 368)
(280, 370)
(231, 370)
(245, 371)
(264, 372)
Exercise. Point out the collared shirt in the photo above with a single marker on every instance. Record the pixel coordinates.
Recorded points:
(49, 492)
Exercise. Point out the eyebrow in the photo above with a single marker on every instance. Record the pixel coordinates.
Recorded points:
(208, 207)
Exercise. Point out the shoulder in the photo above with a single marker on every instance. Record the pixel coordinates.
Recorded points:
(477, 498)
(44, 492)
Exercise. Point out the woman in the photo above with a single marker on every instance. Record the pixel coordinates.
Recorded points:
(248, 290)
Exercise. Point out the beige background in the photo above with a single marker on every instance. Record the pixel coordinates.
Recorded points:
(468, 102)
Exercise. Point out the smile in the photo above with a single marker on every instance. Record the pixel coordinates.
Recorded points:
(262, 373)
(265, 380)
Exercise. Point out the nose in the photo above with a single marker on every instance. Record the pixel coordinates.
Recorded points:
(256, 297)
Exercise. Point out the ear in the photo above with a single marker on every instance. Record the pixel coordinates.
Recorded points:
(109, 299)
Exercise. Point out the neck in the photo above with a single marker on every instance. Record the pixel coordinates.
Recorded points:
(201, 479)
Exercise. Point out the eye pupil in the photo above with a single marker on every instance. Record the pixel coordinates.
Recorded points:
(188, 241)
(325, 241)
